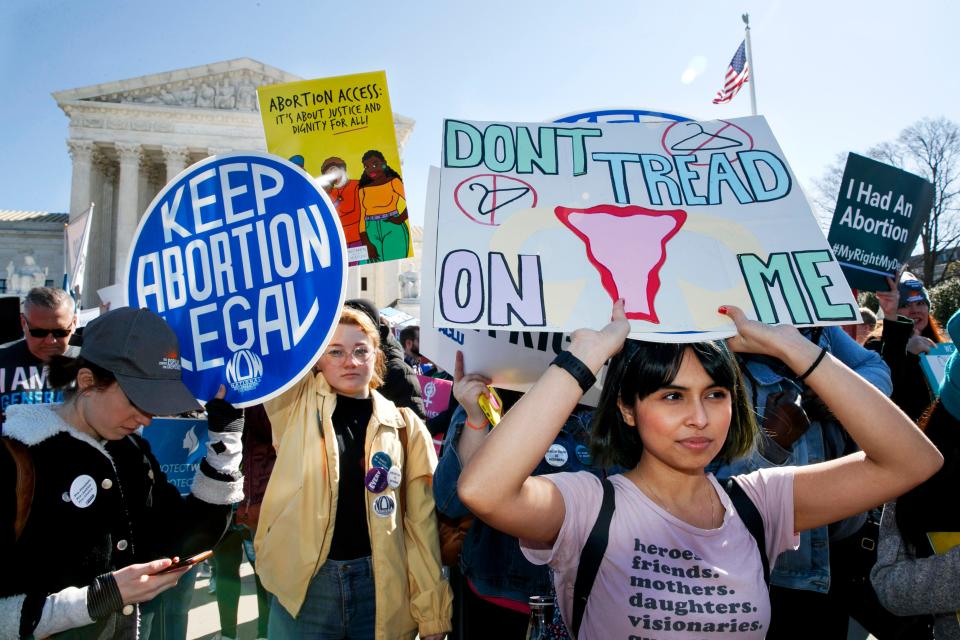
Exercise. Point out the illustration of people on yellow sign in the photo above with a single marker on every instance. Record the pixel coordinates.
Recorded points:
(340, 130)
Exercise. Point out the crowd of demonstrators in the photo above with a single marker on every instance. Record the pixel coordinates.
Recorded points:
(665, 413)
(910, 578)
(492, 580)
(908, 331)
(95, 529)
(258, 460)
(48, 320)
(347, 541)
(797, 430)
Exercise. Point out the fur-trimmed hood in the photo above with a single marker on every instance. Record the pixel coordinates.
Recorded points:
(31, 424)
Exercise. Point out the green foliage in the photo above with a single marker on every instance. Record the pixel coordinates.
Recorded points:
(945, 299)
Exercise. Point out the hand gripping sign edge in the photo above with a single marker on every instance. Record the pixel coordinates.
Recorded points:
(235, 276)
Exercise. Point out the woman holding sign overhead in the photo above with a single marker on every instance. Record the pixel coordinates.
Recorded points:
(681, 557)
(347, 539)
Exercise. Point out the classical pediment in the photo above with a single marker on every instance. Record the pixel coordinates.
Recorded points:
(230, 86)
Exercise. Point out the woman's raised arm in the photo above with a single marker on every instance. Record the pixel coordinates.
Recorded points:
(496, 483)
(895, 456)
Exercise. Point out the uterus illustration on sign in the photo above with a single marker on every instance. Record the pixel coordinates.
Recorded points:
(628, 269)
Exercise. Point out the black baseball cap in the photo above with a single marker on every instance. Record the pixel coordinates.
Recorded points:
(142, 351)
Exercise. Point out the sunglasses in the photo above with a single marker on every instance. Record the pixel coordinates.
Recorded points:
(43, 333)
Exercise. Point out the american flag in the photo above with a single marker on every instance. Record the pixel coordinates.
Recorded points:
(737, 73)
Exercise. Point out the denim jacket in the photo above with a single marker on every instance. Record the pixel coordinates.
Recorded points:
(491, 560)
(808, 567)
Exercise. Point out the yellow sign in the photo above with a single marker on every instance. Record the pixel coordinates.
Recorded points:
(340, 130)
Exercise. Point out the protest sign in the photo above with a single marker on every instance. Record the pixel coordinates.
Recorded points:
(179, 445)
(880, 210)
(511, 359)
(243, 256)
(934, 364)
(344, 127)
(542, 226)
(436, 394)
(620, 115)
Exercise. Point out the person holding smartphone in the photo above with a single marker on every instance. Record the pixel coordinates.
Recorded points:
(98, 529)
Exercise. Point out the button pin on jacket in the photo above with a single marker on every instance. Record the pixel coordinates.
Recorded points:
(375, 480)
(83, 491)
(382, 460)
(394, 476)
(383, 506)
(556, 455)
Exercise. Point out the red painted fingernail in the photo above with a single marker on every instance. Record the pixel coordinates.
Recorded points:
(722, 309)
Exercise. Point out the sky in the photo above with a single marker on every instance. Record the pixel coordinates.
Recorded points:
(830, 77)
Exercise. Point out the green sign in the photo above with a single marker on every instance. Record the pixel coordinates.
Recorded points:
(879, 213)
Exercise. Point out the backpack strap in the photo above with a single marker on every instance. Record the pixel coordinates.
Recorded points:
(751, 517)
(26, 480)
(591, 555)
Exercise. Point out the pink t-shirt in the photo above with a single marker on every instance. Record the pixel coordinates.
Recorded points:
(661, 577)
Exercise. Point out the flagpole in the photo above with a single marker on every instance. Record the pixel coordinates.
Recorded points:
(753, 74)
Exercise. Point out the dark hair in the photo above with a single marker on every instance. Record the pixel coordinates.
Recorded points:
(410, 332)
(643, 367)
(925, 507)
(387, 170)
(63, 372)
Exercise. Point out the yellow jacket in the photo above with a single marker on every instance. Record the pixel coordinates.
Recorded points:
(299, 509)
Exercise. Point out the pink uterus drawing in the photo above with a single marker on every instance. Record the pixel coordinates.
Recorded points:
(627, 245)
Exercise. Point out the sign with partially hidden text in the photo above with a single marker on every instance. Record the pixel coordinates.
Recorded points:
(880, 210)
(542, 226)
(511, 359)
(178, 444)
(243, 256)
(344, 127)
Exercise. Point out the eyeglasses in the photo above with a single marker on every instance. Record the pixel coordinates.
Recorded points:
(43, 333)
(359, 353)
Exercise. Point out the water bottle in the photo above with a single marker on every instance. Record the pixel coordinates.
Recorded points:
(541, 613)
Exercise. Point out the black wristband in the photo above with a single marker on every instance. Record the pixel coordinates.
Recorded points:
(103, 597)
(223, 417)
(816, 363)
(576, 368)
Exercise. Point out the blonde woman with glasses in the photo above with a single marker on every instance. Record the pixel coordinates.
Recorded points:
(347, 541)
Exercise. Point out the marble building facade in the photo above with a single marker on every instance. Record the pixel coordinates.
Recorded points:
(128, 138)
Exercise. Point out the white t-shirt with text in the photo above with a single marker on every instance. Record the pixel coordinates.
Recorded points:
(662, 578)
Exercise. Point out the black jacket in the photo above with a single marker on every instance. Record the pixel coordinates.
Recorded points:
(910, 389)
(97, 507)
(400, 384)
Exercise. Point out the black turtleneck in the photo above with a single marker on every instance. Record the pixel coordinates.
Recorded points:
(351, 538)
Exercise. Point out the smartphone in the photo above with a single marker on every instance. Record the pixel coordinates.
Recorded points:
(492, 407)
(189, 562)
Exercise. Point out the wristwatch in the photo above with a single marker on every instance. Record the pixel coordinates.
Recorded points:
(576, 368)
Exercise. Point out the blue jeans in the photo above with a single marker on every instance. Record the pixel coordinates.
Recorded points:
(340, 604)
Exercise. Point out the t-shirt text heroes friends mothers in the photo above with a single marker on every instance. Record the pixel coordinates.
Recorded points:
(243, 256)
(542, 226)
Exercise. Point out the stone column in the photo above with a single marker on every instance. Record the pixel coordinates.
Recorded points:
(176, 159)
(130, 155)
(81, 152)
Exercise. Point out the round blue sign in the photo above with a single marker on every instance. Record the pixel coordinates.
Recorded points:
(620, 115)
(245, 258)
